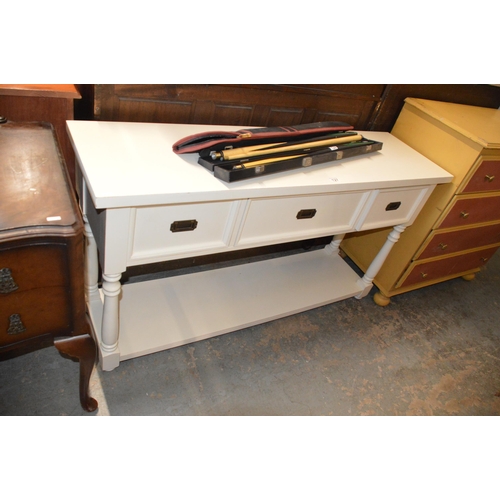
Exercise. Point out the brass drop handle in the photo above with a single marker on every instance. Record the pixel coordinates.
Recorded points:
(484, 259)
(443, 246)
(464, 215)
(7, 283)
(424, 275)
(489, 178)
(15, 325)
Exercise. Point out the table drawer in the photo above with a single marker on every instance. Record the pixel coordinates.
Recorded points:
(460, 239)
(423, 272)
(469, 210)
(177, 230)
(30, 267)
(25, 315)
(485, 178)
(391, 207)
(274, 220)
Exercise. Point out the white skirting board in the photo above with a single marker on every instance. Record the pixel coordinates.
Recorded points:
(165, 313)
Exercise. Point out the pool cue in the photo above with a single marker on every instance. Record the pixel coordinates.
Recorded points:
(316, 151)
(237, 153)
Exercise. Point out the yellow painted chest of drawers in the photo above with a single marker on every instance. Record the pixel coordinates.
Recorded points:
(458, 230)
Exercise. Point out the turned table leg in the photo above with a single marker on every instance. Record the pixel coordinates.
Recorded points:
(110, 327)
(367, 279)
(83, 349)
(334, 245)
(91, 263)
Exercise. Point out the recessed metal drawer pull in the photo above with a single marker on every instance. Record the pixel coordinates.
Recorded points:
(7, 283)
(15, 325)
(394, 205)
(308, 213)
(443, 246)
(489, 178)
(183, 225)
(464, 215)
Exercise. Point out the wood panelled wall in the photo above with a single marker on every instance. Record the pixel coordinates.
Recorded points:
(366, 107)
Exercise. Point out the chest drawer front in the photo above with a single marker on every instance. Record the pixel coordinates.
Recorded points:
(171, 231)
(461, 239)
(391, 207)
(26, 315)
(472, 210)
(485, 178)
(36, 266)
(422, 272)
(273, 220)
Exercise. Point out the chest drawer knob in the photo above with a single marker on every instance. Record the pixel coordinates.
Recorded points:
(15, 325)
(464, 214)
(7, 283)
(423, 275)
(489, 178)
(443, 246)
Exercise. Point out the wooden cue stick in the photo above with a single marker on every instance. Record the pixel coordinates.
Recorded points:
(235, 154)
(256, 163)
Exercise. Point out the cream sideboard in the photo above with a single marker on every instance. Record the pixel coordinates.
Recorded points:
(458, 230)
(143, 204)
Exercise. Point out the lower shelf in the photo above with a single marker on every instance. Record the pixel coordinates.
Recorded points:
(165, 313)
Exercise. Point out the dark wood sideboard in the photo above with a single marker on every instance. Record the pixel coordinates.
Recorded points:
(42, 300)
(52, 103)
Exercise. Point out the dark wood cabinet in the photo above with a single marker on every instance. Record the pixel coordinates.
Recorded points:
(42, 300)
(365, 106)
(259, 105)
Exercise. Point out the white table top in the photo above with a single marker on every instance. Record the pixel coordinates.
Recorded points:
(129, 164)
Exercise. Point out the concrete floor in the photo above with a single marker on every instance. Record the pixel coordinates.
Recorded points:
(434, 351)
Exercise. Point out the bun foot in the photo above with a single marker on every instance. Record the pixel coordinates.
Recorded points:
(381, 300)
(469, 277)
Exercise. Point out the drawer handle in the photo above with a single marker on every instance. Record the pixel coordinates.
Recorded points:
(15, 325)
(308, 213)
(424, 275)
(464, 215)
(183, 225)
(484, 259)
(489, 178)
(394, 205)
(443, 246)
(7, 283)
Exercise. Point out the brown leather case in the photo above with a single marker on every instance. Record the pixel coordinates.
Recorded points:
(197, 143)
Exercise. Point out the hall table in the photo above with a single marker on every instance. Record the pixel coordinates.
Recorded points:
(144, 204)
